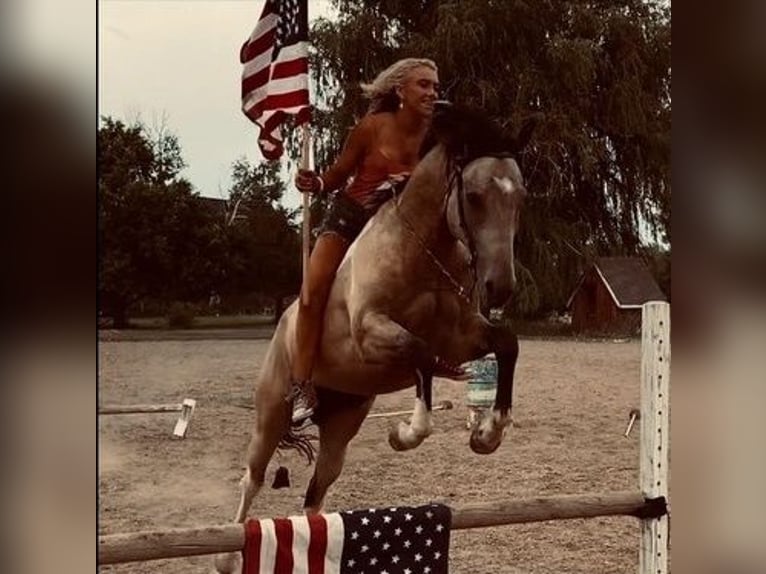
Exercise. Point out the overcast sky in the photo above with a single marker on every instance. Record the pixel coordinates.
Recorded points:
(180, 58)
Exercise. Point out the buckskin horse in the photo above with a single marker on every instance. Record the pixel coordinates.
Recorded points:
(417, 283)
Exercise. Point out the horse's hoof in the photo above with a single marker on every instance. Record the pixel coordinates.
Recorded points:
(228, 563)
(480, 446)
(394, 438)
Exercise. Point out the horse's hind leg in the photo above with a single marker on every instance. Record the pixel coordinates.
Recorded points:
(335, 432)
(272, 418)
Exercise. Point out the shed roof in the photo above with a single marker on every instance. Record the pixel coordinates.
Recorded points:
(628, 280)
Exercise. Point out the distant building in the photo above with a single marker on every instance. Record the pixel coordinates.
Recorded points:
(609, 296)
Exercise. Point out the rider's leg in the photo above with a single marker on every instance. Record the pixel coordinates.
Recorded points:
(324, 261)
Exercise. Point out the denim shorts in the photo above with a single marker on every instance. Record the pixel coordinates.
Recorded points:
(346, 217)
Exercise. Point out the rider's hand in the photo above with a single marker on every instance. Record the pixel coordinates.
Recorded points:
(308, 182)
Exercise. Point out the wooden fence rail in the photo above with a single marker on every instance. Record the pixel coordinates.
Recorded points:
(157, 544)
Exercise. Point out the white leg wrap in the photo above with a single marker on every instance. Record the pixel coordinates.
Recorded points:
(406, 436)
(421, 423)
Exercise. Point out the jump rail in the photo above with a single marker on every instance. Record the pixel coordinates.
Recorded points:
(139, 409)
(158, 544)
(186, 408)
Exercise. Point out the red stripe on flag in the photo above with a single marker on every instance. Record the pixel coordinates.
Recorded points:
(317, 543)
(252, 83)
(254, 48)
(278, 102)
(284, 531)
(286, 100)
(280, 71)
(251, 558)
(290, 68)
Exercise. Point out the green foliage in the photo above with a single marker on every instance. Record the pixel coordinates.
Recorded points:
(598, 166)
(155, 240)
(264, 253)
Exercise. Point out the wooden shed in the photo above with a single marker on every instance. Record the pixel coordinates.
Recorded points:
(609, 296)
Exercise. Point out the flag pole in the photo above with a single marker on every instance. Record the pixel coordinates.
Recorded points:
(305, 163)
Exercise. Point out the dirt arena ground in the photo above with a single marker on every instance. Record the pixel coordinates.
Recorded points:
(571, 404)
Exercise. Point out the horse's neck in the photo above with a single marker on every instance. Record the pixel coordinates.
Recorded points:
(423, 205)
(423, 200)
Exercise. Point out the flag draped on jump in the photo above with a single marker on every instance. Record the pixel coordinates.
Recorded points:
(275, 72)
(403, 540)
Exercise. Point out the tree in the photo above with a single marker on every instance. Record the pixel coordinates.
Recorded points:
(264, 244)
(154, 238)
(598, 72)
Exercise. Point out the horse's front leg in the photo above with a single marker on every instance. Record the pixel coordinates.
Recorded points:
(406, 436)
(488, 433)
(382, 340)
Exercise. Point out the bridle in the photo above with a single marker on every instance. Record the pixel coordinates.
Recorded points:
(455, 183)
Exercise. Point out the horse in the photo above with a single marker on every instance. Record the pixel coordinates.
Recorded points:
(416, 284)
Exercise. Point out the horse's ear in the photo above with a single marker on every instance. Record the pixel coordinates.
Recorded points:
(525, 133)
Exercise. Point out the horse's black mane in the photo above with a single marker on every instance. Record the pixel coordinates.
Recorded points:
(466, 134)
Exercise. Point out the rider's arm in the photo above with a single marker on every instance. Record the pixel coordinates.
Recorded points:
(358, 142)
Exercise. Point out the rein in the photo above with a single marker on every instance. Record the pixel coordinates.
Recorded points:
(460, 290)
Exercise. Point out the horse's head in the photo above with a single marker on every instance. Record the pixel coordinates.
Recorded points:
(485, 198)
(483, 211)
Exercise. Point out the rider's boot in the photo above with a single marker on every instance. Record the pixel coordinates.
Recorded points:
(304, 400)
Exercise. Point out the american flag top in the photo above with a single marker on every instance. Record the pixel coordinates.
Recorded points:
(389, 540)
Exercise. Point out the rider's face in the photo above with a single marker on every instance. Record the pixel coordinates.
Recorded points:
(420, 90)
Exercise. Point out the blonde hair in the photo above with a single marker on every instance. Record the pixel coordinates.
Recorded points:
(382, 90)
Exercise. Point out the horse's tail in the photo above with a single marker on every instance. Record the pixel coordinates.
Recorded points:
(301, 441)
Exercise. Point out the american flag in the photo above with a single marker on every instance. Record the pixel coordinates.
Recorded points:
(275, 73)
(402, 540)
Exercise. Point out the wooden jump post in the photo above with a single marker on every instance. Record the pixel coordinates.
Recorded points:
(186, 408)
(655, 432)
(649, 504)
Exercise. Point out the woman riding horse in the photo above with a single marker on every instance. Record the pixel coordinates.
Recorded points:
(382, 149)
